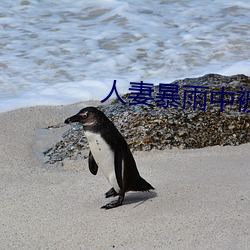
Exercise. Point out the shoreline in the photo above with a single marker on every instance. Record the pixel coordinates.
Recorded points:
(201, 197)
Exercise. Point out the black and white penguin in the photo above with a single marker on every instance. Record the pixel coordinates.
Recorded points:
(110, 152)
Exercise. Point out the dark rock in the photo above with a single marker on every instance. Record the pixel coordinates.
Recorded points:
(147, 127)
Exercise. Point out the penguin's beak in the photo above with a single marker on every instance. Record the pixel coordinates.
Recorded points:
(74, 118)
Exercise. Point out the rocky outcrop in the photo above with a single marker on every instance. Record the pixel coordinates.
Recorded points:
(183, 125)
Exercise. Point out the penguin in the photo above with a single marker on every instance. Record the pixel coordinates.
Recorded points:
(110, 152)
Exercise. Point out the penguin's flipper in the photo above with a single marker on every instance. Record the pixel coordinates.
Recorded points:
(118, 166)
(111, 193)
(93, 167)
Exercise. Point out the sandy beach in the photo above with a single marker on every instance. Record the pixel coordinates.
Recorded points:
(201, 198)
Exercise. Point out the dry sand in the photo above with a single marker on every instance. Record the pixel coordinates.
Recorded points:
(201, 201)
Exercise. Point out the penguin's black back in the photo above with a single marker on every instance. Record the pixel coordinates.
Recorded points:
(132, 180)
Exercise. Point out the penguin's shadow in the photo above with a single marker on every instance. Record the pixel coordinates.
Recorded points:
(137, 198)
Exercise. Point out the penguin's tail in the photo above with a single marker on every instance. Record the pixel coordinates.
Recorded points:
(141, 185)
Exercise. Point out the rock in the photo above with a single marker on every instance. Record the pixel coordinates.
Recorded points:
(156, 127)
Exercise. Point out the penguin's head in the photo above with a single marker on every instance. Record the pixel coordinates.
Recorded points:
(88, 117)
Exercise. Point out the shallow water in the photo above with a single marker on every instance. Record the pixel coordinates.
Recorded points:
(63, 52)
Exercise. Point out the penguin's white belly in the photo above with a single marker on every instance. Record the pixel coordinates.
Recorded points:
(104, 157)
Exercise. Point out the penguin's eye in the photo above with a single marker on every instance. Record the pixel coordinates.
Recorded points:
(84, 115)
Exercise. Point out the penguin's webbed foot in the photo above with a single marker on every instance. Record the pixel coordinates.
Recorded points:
(111, 193)
(113, 204)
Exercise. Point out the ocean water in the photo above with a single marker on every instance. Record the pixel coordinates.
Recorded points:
(61, 52)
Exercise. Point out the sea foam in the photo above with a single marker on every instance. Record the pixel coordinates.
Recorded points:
(62, 52)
